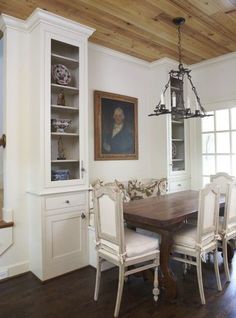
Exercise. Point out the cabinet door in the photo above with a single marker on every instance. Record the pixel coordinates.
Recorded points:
(65, 111)
(65, 242)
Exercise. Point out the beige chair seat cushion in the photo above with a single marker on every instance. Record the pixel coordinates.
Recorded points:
(138, 244)
(187, 237)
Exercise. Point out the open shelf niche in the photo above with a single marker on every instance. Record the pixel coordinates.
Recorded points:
(177, 129)
(65, 142)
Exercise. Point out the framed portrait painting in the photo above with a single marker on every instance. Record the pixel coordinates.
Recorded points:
(116, 126)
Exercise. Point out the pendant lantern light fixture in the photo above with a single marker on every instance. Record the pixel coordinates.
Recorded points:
(178, 108)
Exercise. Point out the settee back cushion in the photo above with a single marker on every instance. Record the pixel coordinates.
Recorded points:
(142, 189)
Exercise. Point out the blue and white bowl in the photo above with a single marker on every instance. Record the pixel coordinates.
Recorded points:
(60, 175)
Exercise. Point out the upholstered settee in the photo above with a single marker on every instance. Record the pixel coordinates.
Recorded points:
(132, 190)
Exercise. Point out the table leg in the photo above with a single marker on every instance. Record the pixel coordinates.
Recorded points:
(167, 280)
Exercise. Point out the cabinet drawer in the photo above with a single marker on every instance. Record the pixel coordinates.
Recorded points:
(178, 185)
(65, 201)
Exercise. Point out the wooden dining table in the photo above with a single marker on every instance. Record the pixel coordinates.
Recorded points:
(164, 215)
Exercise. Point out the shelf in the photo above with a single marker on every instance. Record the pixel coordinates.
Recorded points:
(176, 88)
(179, 140)
(67, 89)
(71, 63)
(65, 134)
(176, 122)
(64, 161)
(66, 108)
(176, 160)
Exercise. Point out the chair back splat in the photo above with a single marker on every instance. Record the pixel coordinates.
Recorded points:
(109, 229)
(222, 179)
(208, 213)
(230, 208)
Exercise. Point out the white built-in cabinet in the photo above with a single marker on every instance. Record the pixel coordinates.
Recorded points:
(58, 209)
(178, 165)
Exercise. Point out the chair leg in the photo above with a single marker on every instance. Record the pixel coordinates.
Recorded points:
(217, 271)
(225, 259)
(155, 289)
(120, 291)
(199, 277)
(98, 278)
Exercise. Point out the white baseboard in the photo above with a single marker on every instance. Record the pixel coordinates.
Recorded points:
(16, 269)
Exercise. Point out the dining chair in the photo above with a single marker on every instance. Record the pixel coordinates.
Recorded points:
(192, 242)
(227, 223)
(222, 179)
(119, 245)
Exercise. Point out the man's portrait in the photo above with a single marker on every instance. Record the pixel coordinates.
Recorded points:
(115, 127)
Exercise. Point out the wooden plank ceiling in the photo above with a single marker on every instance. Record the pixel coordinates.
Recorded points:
(144, 28)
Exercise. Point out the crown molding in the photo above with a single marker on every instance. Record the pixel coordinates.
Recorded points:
(39, 16)
(128, 58)
(215, 60)
(117, 54)
(220, 103)
(7, 21)
(163, 61)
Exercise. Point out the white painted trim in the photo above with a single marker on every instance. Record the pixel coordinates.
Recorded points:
(7, 21)
(163, 61)
(132, 59)
(40, 15)
(117, 54)
(17, 269)
(57, 191)
(220, 104)
(219, 59)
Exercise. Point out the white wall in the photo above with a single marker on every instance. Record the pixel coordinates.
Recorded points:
(118, 75)
(215, 81)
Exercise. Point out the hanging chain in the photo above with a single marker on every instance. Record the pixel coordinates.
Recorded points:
(179, 44)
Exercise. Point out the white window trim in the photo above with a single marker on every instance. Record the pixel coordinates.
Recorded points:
(215, 154)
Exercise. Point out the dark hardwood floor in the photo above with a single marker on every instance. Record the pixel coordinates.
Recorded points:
(72, 296)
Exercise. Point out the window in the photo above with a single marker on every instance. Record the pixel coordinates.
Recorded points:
(219, 143)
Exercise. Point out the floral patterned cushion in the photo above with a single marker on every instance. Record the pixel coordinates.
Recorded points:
(140, 190)
(125, 195)
(163, 186)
